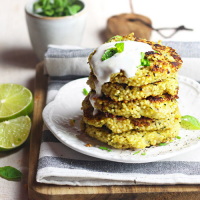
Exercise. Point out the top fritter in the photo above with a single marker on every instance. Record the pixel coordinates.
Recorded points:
(161, 62)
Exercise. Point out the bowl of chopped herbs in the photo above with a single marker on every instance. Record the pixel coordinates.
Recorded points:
(59, 22)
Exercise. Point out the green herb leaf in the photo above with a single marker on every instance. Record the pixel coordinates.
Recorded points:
(103, 148)
(156, 51)
(116, 38)
(189, 122)
(37, 6)
(178, 137)
(57, 8)
(109, 150)
(71, 2)
(162, 144)
(136, 152)
(109, 53)
(44, 2)
(49, 12)
(142, 55)
(85, 92)
(143, 153)
(74, 9)
(144, 62)
(10, 173)
(171, 140)
(119, 48)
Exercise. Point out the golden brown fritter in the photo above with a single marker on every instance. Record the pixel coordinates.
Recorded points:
(130, 139)
(164, 63)
(121, 92)
(152, 107)
(119, 124)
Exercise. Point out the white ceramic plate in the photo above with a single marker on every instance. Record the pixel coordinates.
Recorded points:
(67, 105)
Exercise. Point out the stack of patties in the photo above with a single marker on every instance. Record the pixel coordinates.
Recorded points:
(133, 97)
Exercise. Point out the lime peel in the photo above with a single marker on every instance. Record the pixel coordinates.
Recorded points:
(15, 101)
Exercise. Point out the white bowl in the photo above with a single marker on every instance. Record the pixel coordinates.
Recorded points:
(54, 30)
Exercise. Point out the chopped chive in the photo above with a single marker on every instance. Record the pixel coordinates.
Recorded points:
(74, 120)
(136, 152)
(85, 92)
(171, 140)
(199, 137)
(103, 148)
(109, 150)
(163, 144)
(143, 153)
(156, 51)
(178, 137)
(119, 48)
(144, 62)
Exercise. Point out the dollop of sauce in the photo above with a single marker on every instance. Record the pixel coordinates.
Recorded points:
(128, 61)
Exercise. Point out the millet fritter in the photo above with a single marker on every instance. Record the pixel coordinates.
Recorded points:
(119, 124)
(131, 139)
(152, 107)
(164, 63)
(121, 92)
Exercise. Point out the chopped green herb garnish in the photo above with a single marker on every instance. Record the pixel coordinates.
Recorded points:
(19, 139)
(109, 53)
(103, 148)
(144, 62)
(156, 51)
(171, 140)
(74, 120)
(116, 37)
(136, 152)
(178, 137)
(163, 144)
(85, 92)
(119, 47)
(199, 137)
(189, 122)
(143, 153)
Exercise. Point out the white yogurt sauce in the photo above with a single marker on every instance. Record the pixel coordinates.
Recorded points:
(128, 61)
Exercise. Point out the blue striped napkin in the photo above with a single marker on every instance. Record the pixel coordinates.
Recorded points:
(61, 165)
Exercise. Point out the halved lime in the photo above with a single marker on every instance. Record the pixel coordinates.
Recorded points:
(14, 132)
(15, 101)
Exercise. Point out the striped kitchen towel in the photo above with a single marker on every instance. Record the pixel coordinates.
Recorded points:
(61, 165)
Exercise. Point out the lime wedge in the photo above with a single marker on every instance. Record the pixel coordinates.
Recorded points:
(15, 101)
(14, 132)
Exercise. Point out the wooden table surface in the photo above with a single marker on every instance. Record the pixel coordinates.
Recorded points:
(17, 60)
